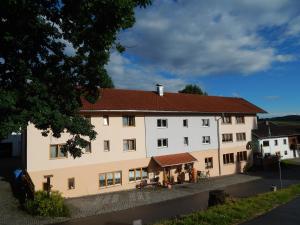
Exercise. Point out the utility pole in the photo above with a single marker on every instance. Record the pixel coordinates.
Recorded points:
(279, 167)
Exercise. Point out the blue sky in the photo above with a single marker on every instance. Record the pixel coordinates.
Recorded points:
(239, 48)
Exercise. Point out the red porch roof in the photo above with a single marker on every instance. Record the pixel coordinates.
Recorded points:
(174, 159)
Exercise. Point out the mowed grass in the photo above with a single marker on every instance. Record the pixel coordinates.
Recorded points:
(237, 211)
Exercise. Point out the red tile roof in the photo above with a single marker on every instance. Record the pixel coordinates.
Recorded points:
(174, 159)
(118, 100)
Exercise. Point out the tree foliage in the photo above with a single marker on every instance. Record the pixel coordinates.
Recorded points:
(53, 53)
(193, 89)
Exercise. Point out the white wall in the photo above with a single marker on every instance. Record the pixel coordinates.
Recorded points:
(175, 132)
(281, 147)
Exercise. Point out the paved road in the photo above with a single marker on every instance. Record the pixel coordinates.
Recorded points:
(169, 209)
(287, 214)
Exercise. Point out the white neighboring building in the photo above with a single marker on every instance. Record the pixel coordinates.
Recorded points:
(271, 139)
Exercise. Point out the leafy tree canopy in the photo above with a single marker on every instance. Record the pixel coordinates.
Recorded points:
(193, 89)
(41, 80)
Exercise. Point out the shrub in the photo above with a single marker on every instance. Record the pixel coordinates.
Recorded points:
(44, 205)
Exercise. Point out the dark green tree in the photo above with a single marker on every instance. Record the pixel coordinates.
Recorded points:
(52, 54)
(192, 89)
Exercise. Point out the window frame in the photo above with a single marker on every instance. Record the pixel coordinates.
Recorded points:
(162, 142)
(161, 123)
(58, 146)
(242, 156)
(204, 124)
(207, 161)
(185, 123)
(224, 120)
(128, 145)
(186, 141)
(225, 140)
(228, 158)
(204, 138)
(140, 170)
(108, 149)
(241, 134)
(113, 179)
(239, 117)
(128, 121)
(69, 179)
(263, 143)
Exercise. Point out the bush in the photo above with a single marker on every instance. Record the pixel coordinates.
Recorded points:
(44, 205)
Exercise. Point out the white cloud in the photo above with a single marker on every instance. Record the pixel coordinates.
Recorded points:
(198, 37)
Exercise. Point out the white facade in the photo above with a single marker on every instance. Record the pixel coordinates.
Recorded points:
(178, 135)
(273, 146)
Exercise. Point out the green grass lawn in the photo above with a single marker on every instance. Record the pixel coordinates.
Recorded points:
(238, 211)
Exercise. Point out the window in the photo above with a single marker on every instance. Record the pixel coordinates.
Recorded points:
(227, 138)
(284, 141)
(205, 122)
(266, 143)
(228, 158)
(186, 141)
(88, 148)
(209, 163)
(128, 121)
(106, 146)
(242, 156)
(105, 120)
(241, 136)
(138, 174)
(185, 123)
(71, 183)
(276, 142)
(285, 152)
(56, 152)
(45, 186)
(226, 119)
(240, 119)
(129, 145)
(162, 142)
(205, 139)
(163, 123)
(110, 178)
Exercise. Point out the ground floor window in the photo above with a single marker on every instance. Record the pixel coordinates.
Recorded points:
(110, 178)
(242, 156)
(209, 163)
(71, 183)
(228, 158)
(285, 152)
(138, 174)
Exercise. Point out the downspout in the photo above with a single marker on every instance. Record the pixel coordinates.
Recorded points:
(219, 145)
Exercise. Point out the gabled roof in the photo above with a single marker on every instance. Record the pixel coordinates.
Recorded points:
(148, 101)
(174, 159)
(275, 130)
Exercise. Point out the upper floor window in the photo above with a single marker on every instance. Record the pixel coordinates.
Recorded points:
(162, 142)
(128, 121)
(185, 123)
(205, 122)
(266, 143)
(163, 123)
(206, 140)
(227, 138)
(105, 120)
(56, 152)
(106, 146)
(88, 148)
(186, 141)
(129, 145)
(275, 142)
(240, 119)
(284, 141)
(241, 136)
(226, 119)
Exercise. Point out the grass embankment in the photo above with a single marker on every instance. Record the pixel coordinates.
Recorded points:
(238, 211)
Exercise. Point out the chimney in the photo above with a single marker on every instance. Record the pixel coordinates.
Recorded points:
(269, 129)
(160, 89)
